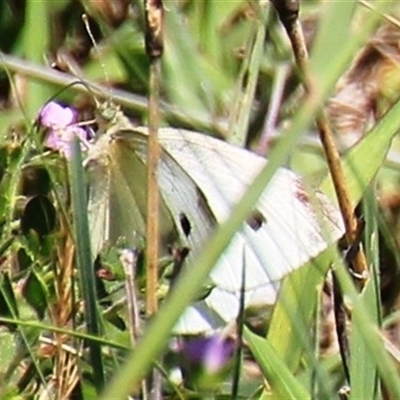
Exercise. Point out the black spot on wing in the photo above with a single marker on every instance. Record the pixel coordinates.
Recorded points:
(185, 224)
(256, 220)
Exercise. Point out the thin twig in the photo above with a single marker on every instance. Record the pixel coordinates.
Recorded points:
(65, 366)
(154, 48)
(269, 127)
(288, 14)
(129, 260)
(394, 21)
(137, 103)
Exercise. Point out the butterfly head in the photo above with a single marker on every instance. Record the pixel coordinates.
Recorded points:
(110, 118)
(106, 113)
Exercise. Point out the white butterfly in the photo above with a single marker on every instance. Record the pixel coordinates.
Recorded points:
(200, 179)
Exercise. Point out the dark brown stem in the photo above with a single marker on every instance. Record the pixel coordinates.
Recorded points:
(288, 13)
(154, 28)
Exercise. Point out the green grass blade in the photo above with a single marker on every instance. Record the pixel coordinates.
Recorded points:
(280, 378)
(338, 39)
(239, 120)
(334, 30)
(9, 306)
(369, 334)
(34, 325)
(36, 46)
(363, 371)
(288, 332)
(84, 259)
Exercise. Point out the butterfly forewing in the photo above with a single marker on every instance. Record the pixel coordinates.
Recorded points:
(98, 171)
(180, 197)
(292, 230)
(123, 167)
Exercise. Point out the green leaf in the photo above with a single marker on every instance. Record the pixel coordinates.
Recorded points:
(288, 333)
(282, 381)
(370, 335)
(363, 371)
(36, 293)
(8, 303)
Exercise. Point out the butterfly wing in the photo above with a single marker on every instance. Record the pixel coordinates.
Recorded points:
(99, 176)
(200, 179)
(117, 181)
(295, 226)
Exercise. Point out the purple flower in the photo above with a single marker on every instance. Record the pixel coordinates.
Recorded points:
(62, 129)
(53, 115)
(211, 353)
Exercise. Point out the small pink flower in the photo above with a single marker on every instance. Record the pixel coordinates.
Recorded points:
(60, 123)
(53, 115)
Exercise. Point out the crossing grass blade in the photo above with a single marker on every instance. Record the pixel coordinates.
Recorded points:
(363, 372)
(275, 370)
(241, 114)
(85, 262)
(35, 42)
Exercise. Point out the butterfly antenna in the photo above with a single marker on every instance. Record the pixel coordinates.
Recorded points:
(85, 20)
(154, 50)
